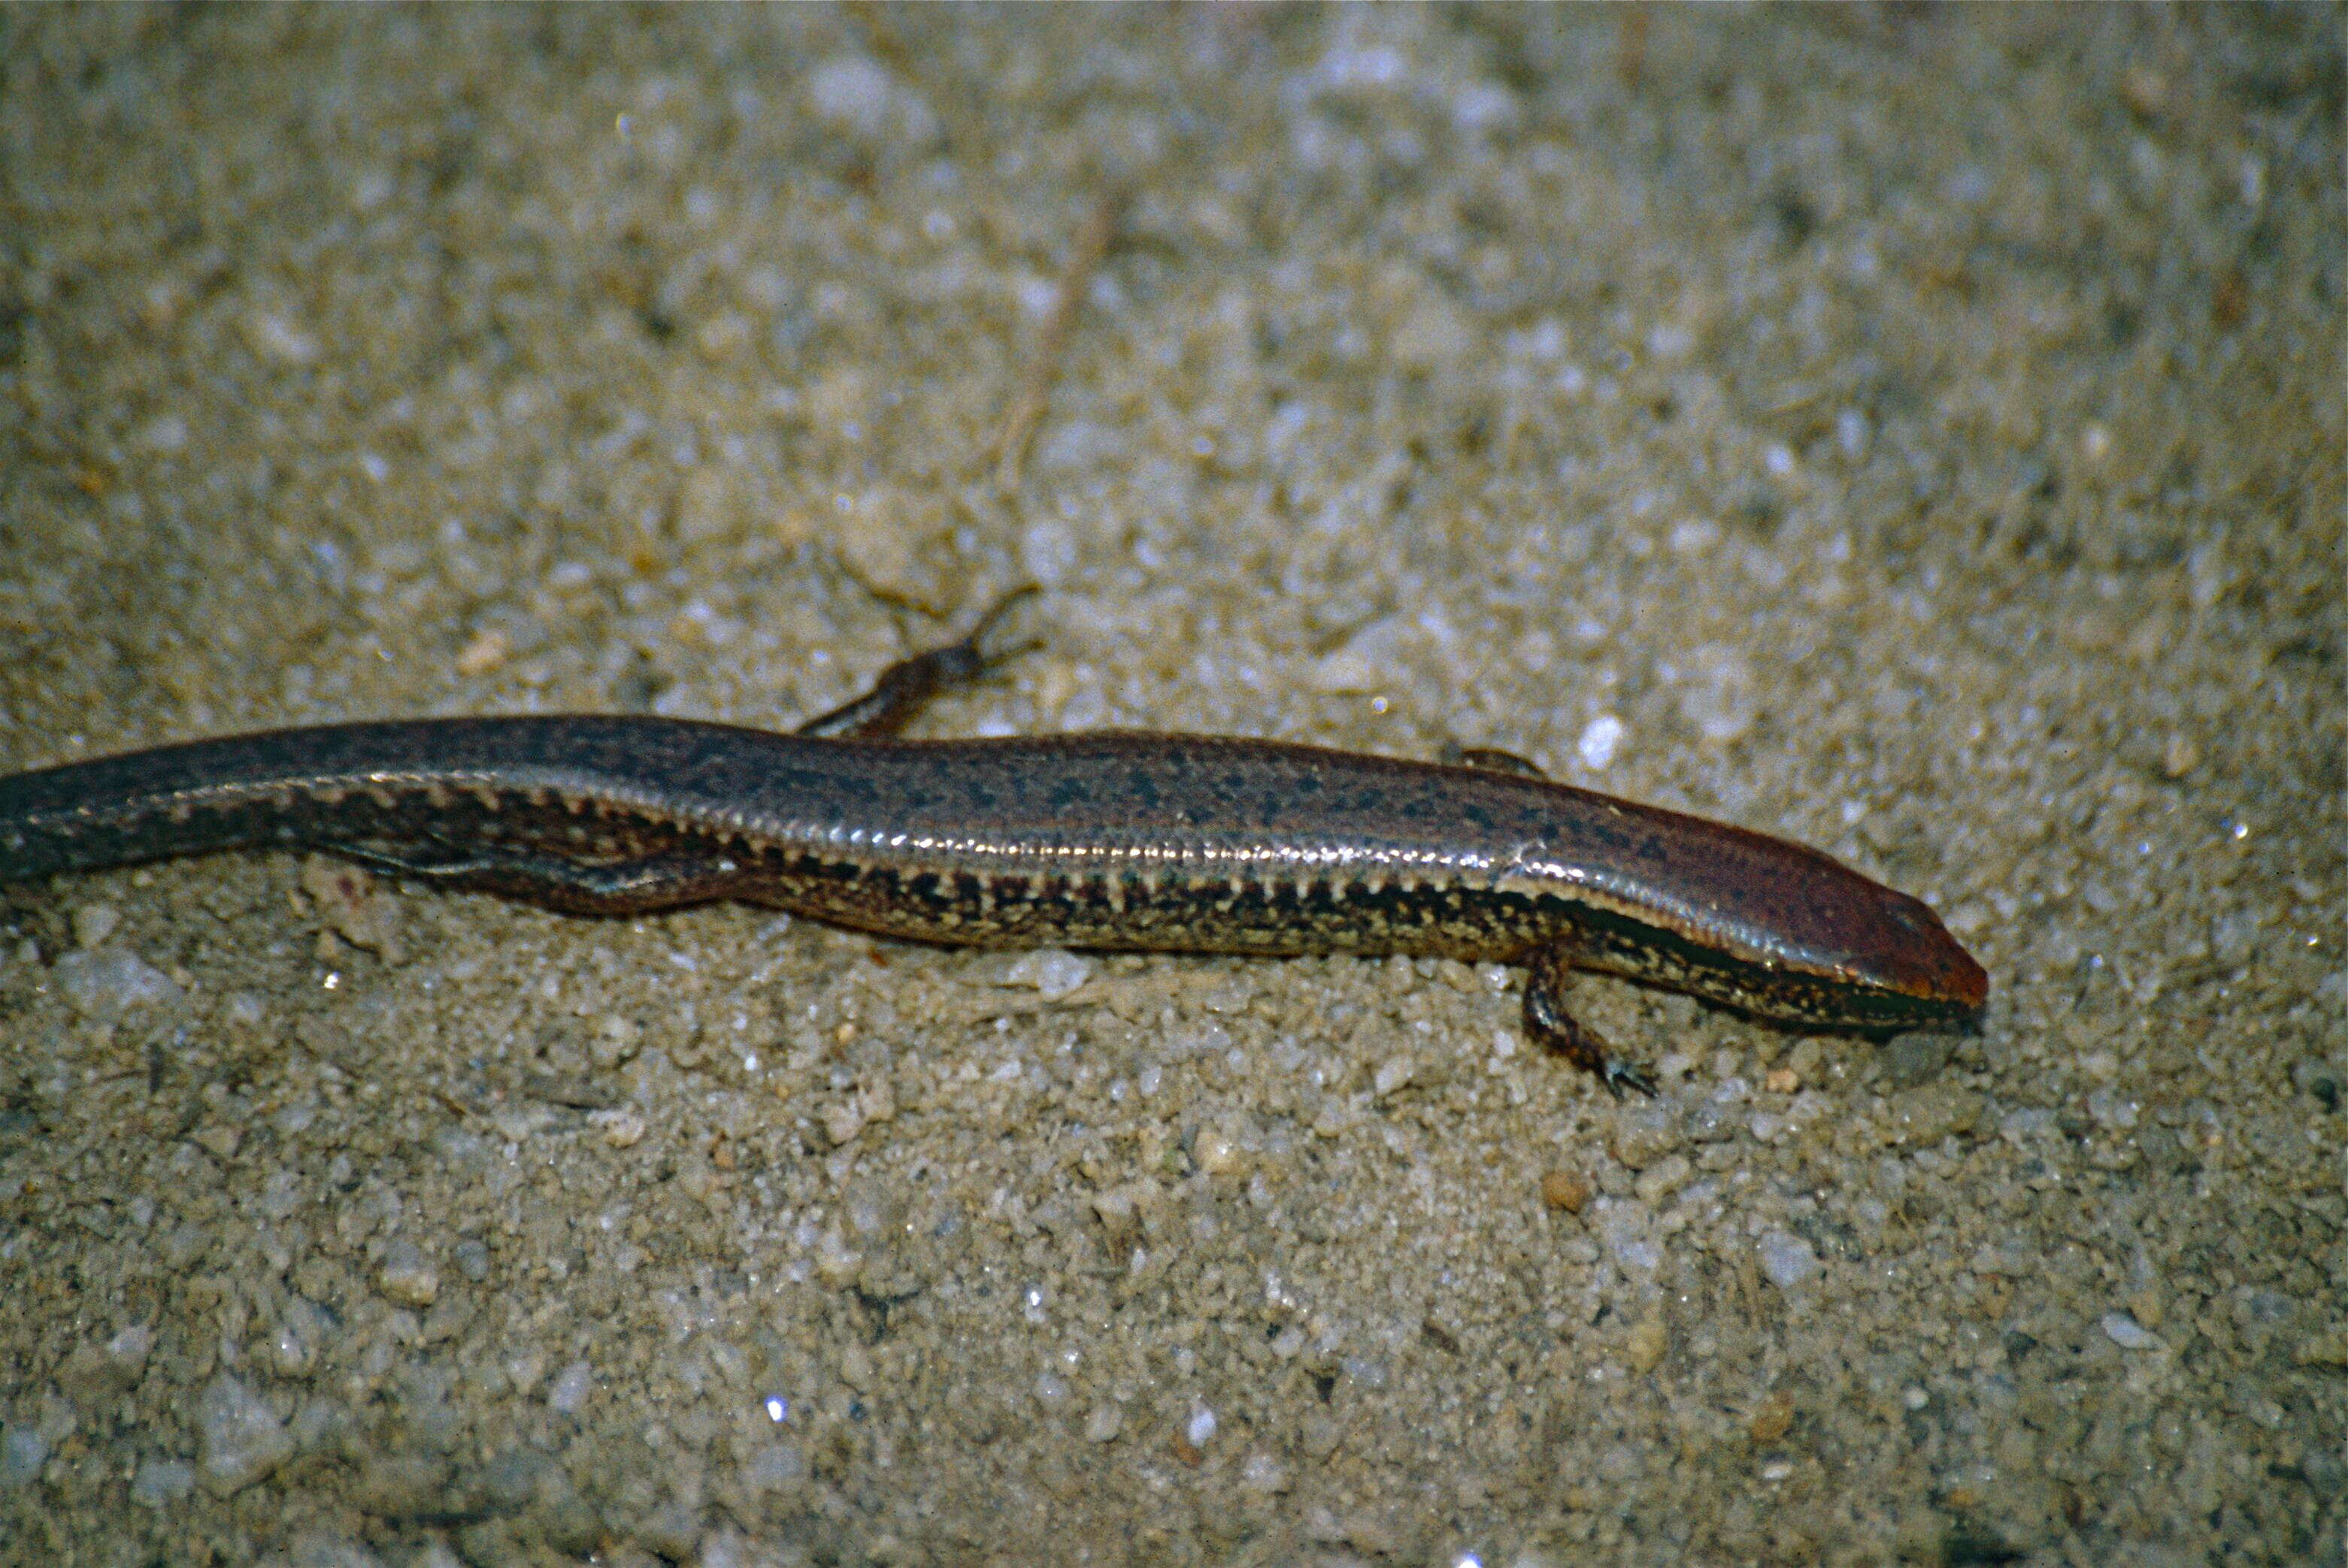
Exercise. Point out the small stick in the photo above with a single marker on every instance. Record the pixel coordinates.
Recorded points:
(1026, 410)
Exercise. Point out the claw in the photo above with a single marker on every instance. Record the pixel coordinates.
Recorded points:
(1617, 1075)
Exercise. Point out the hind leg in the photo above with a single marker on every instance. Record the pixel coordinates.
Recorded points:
(1548, 973)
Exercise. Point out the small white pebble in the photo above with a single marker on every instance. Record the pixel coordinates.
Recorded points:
(2127, 1333)
(94, 923)
(1263, 1472)
(23, 1451)
(1051, 970)
(1851, 433)
(161, 1482)
(1601, 738)
(771, 1466)
(842, 1120)
(836, 1263)
(1103, 1425)
(129, 1349)
(107, 982)
(1789, 1261)
(852, 91)
(1693, 537)
(621, 1128)
(1201, 1429)
(569, 1389)
(615, 1040)
(240, 1440)
(167, 434)
(406, 1277)
(1720, 696)
(276, 335)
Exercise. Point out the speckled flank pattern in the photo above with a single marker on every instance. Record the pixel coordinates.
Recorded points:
(1915, 432)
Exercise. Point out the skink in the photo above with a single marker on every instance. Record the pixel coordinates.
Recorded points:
(1121, 841)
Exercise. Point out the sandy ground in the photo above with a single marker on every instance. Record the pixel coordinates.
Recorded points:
(1916, 431)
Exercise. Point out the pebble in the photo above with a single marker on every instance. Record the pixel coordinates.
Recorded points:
(1393, 1074)
(222, 1138)
(1664, 1178)
(614, 1041)
(1054, 971)
(301, 1327)
(1788, 1260)
(1217, 1153)
(2113, 1110)
(1600, 740)
(626, 1128)
(485, 652)
(1914, 1058)
(2127, 1333)
(1645, 1347)
(107, 982)
(1926, 1115)
(23, 1451)
(773, 1466)
(1344, 671)
(353, 908)
(406, 1277)
(1644, 1136)
(1720, 697)
(568, 1393)
(325, 1549)
(161, 1482)
(860, 96)
(1714, 1119)
(99, 1370)
(1263, 1472)
(94, 923)
(1628, 1231)
(184, 1245)
(239, 1440)
(1772, 1419)
(1565, 1191)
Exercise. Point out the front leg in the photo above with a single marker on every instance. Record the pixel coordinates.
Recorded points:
(908, 686)
(1549, 971)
